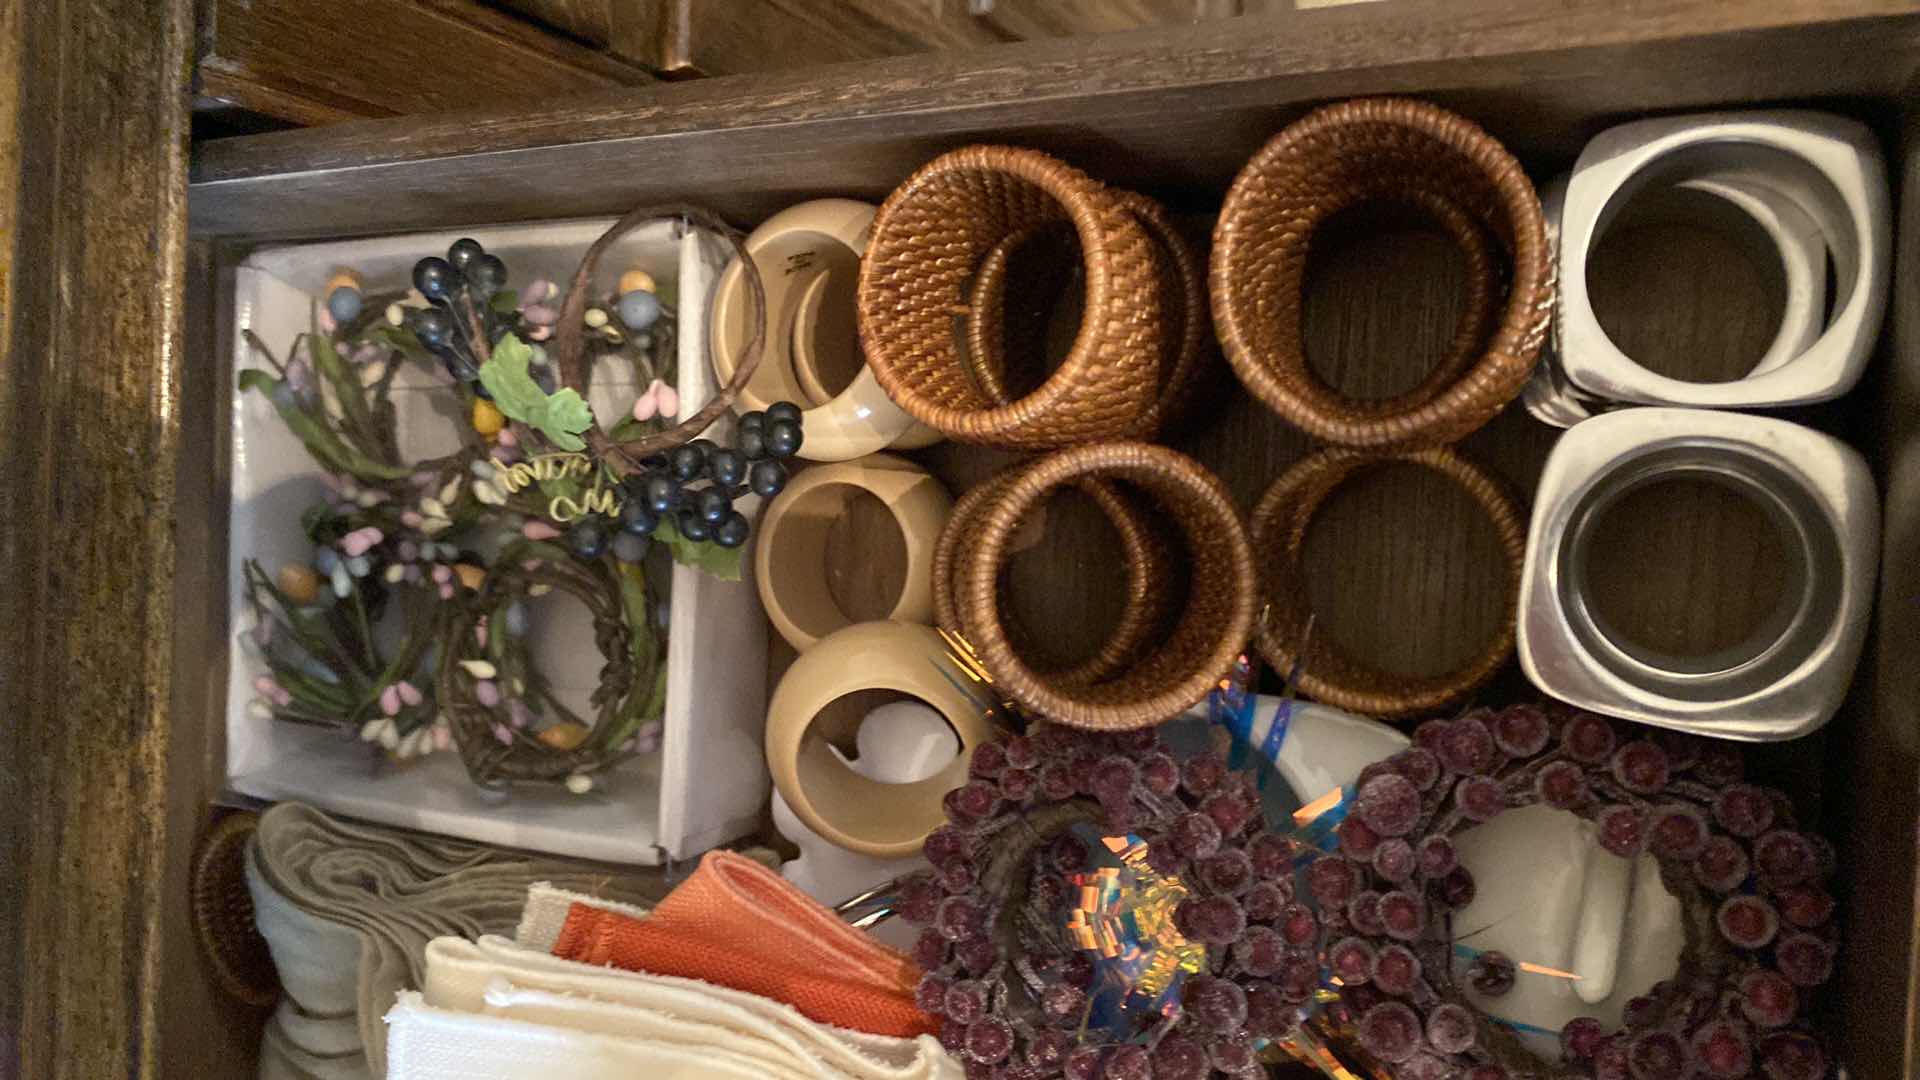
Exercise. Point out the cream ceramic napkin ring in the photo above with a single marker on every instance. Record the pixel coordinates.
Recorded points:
(790, 555)
(803, 252)
(1828, 167)
(820, 704)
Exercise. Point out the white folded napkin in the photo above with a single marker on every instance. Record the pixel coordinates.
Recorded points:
(727, 1031)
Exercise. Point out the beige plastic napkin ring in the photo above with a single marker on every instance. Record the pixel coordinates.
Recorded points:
(789, 558)
(799, 251)
(821, 701)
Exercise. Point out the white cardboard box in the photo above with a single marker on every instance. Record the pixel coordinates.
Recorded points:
(709, 781)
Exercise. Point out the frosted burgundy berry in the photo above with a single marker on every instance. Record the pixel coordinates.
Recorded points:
(1214, 920)
(1723, 1050)
(1394, 860)
(1747, 921)
(1332, 880)
(1272, 855)
(966, 1001)
(1520, 731)
(1719, 765)
(977, 955)
(1269, 1013)
(1588, 739)
(1299, 976)
(1450, 1028)
(1060, 1001)
(1656, 1055)
(1216, 1004)
(1363, 913)
(1232, 811)
(1389, 804)
(1351, 960)
(1390, 1031)
(1018, 785)
(1437, 857)
(1641, 767)
(1083, 1063)
(988, 760)
(1804, 959)
(1679, 832)
(1299, 925)
(946, 845)
(1049, 1049)
(1721, 864)
(1356, 839)
(1264, 901)
(1492, 973)
(989, 1041)
(1480, 798)
(1128, 1063)
(1581, 1038)
(971, 801)
(1768, 999)
(1229, 871)
(1259, 951)
(1743, 810)
(1396, 969)
(959, 918)
(931, 994)
(930, 949)
(1200, 775)
(1784, 858)
(1194, 835)
(1020, 752)
(1179, 1058)
(1561, 785)
(1466, 746)
(1791, 1056)
(1404, 914)
(1419, 765)
(1623, 829)
(1160, 774)
(1235, 1057)
(1806, 906)
(1457, 889)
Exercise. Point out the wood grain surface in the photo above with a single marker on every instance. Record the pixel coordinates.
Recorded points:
(1171, 111)
(100, 977)
(345, 59)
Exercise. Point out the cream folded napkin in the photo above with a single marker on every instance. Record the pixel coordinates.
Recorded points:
(533, 1010)
(348, 909)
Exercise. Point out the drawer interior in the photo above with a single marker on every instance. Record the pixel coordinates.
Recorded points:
(1405, 570)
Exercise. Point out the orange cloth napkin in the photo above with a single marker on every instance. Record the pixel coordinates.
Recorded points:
(736, 923)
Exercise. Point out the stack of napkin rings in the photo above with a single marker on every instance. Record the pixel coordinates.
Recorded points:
(1161, 659)
(934, 316)
(1366, 151)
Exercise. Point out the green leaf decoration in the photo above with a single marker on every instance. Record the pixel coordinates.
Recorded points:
(723, 563)
(332, 453)
(560, 417)
(505, 302)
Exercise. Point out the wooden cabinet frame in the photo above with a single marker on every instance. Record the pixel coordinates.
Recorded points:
(112, 390)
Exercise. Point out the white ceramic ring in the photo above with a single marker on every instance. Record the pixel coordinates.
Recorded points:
(823, 698)
(790, 554)
(801, 253)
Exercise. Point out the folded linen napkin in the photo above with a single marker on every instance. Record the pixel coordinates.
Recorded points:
(477, 975)
(349, 909)
(736, 923)
(497, 1010)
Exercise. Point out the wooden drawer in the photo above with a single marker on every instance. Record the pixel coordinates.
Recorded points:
(115, 756)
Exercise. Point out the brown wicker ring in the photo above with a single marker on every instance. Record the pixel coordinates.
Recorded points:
(1381, 150)
(1280, 524)
(1183, 298)
(1209, 632)
(929, 240)
(1144, 607)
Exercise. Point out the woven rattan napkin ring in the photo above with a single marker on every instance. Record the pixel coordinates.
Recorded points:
(1183, 663)
(1184, 346)
(929, 241)
(1146, 600)
(1280, 524)
(1393, 151)
(223, 913)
